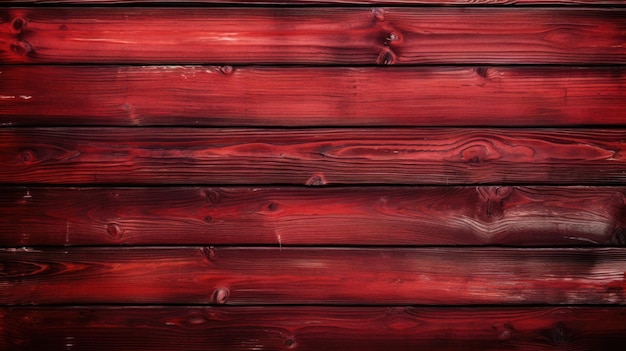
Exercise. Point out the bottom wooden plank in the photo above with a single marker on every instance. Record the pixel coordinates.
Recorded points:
(312, 328)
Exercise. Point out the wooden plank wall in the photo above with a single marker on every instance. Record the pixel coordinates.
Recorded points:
(312, 175)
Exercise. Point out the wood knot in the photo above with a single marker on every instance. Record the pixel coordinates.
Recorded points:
(316, 180)
(393, 38)
(482, 71)
(197, 319)
(21, 48)
(220, 296)
(18, 24)
(502, 192)
(273, 206)
(213, 196)
(386, 57)
(114, 231)
(492, 201)
(209, 253)
(27, 157)
(290, 343)
(619, 236)
(226, 70)
(478, 154)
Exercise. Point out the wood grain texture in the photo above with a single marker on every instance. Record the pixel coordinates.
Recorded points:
(317, 2)
(313, 328)
(314, 36)
(274, 275)
(268, 96)
(520, 216)
(311, 156)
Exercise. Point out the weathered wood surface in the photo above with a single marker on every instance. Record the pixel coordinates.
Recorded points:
(431, 35)
(312, 328)
(520, 216)
(279, 275)
(269, 96)
(311, 156)
(317, 2)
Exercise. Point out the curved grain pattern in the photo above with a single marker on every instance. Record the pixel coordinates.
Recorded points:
(311, 157)
(209, 95)
(521, 216)
(398, 276)
(314, 328)
(313, 36)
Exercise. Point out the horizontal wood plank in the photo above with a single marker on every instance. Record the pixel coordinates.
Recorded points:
(275, 275)
(311, 156)
(312, 328)
(314, 36)
(316, 2)
(520, 216)
(267, 96)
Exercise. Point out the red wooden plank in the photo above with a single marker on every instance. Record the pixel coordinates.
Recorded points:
(314, 2)
(208, 95)
(521, 216)
(313, 328)
(319, 35)
(311, 156)
(262, 275)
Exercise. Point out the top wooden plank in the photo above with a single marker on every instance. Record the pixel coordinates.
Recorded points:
(313, 2)
(383, 36)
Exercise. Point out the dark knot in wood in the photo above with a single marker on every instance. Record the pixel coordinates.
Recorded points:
(18, 24)
(220, 296)
(114, 230)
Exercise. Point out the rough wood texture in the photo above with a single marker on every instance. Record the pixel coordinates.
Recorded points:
(316, 2)
(263, 275)
(210, 95)
(311, 157)
(521, 216)
(313, 36)
(313, 328)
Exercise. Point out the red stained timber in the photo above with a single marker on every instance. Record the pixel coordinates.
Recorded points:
(263, 275)
(311, 328)
(522, 216)
(313, 35)
(311, 157)
(210, 95)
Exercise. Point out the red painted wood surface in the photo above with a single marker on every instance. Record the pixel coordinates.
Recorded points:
(317, 2)
(314, 36)
(313, 328)
(237, 96)
(311, 157)
(520, 216)
(279, 275)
